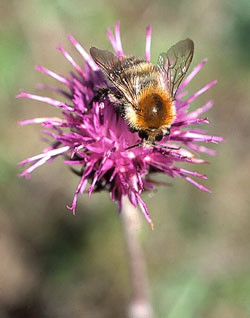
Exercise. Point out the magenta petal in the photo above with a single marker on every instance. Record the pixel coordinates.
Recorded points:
(192, 75)
(46, 100)
(111, 39)
(118, 39)
(56, 76)
(83, 53)
(70, 59)
(198, 185)
(148, 43)
(201, 91)
(53, 120)
(145, 210)
(200, 110)
(80, 189)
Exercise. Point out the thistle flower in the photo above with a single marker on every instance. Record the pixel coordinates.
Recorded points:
(93, 138)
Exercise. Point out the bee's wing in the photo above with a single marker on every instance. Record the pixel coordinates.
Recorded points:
(105, 59)
(175, 63)
(113, 67)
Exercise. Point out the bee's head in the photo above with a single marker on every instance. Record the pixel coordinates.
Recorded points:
(153, 135)
(150, 137)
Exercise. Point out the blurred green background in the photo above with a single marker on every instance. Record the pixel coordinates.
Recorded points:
(56, 265)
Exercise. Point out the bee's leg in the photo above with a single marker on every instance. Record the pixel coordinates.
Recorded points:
(114, 97)
(101, 113)
(132, 129)
(166, 132)
(100, 95)
(120, 110)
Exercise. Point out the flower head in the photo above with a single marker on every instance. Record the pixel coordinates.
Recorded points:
(93, 138)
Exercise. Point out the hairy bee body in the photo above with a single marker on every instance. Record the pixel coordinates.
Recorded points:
(144, 92)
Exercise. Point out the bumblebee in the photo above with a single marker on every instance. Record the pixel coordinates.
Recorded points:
(143, 92)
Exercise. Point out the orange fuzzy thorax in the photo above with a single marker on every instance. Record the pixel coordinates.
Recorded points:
(155, 109)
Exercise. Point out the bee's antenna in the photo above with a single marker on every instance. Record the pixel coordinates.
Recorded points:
(166, 147)
(134, 146)
(156, 146)
(163, 148)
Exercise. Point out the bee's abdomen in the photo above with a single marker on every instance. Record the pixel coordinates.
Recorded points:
(155, 109)
(154, 112)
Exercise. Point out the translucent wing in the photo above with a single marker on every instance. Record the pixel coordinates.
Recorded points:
(115, 69)
(106, 60)
(175, 63)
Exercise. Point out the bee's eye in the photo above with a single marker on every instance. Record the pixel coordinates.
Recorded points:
(143, 134)
(159, 137)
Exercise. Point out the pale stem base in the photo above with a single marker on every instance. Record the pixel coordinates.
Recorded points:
(140, 306)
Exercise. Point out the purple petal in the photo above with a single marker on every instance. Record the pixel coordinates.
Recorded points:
(46, 100)
(192, 75)
(83, 53)
(80, 189)
(118, 39)
(111, 39)
(50, 153)
(148, 43)
(191, 122)
(35, 165)
(58, 77)
(198, 185)
(144, 210)
(193, 173)
(201, 148)
(200, 110)
(201, 91)
(40, 120)
(71, 60)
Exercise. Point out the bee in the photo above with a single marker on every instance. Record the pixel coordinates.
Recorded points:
(143, 92)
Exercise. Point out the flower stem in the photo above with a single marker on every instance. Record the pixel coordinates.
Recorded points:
(140, 306)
